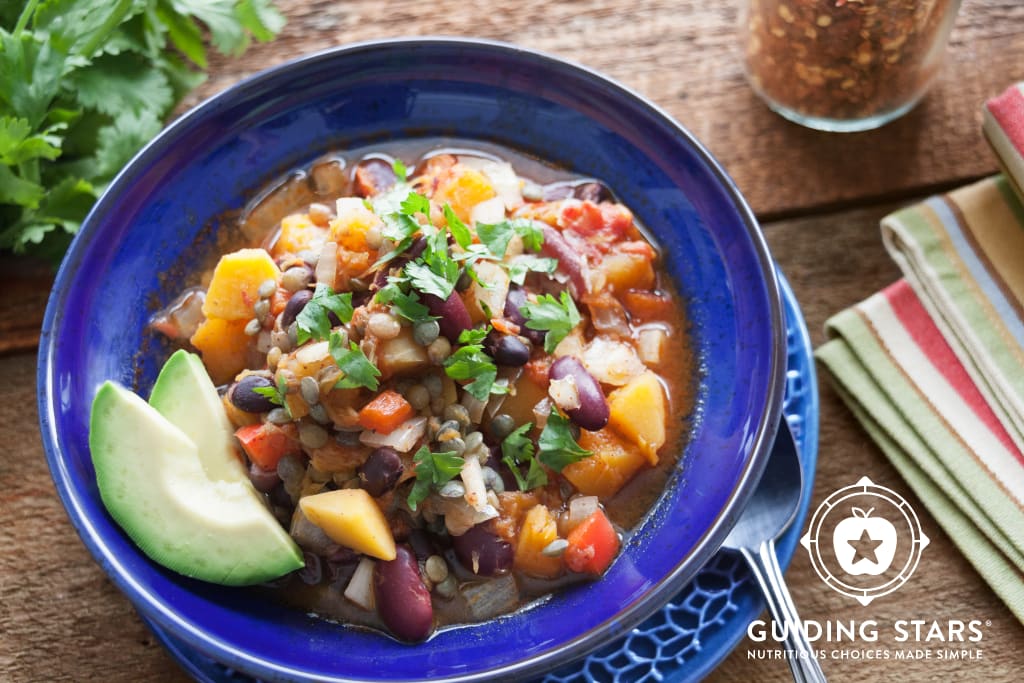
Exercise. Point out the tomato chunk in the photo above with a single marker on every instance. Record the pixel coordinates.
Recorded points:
(592, 545)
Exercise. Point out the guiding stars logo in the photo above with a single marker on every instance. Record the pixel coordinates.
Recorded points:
(865, 541)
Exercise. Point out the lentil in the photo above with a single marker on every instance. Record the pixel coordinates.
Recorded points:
(312, 435)
(320, 214)
(436, 568)
(383, 326)
(295, 278)
(279, 416)
(309, 388)
(449, 430)
(433, 385)
(456, 444)
(319, 413)
(474, 440)
(418, 396)
(447, 588)
(424, 333)
(439, 350)
(458, 413)
(267, 289)
(253, 327)
(261, 309)
(452, 489)
(502, 425)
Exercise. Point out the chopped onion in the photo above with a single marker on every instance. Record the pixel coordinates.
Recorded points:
(572, 345)
(580, 508)
(608, 315)
(327, 266)
(611, 362)
(651, 341)
(460, 516)
(564, 393)
(402, 439)
(346, 205)
(312, 354)
(541, 412)
(474, 406)
(473, 480)
(488, 211)
(360, 586)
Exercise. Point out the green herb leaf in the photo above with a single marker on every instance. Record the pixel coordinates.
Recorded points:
(314, 321)
(357, 368)
(458, 229)
(516, 450)
(470, 362)
(557, 446)
(521, 265)
(438, 277)
(497, 235)
(432, 470)
(276, 394)
(557, 317)
(400, 170)
(415, 203)
(405, 304)
(474, 335)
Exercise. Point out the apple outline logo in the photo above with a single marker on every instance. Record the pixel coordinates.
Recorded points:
(836, 504)
(861, 525)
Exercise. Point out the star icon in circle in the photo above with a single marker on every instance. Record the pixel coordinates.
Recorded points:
(865, 547)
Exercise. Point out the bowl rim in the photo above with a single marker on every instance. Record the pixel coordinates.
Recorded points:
(707, 545)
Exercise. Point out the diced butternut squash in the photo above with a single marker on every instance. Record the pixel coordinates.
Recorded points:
(401, 355)
(463, 188)
(524, 396)
(613, 464)
(538, 530)
(624, 271)
(299, 233)
(351, 518)
(224, 346)
(351, 224)
(638, 412)
(234, 289)
(486, 302)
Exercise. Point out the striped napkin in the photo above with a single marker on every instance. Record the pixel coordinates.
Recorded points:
(933, 366)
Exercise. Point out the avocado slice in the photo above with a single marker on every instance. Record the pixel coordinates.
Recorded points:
(152, 479)
(185, 395)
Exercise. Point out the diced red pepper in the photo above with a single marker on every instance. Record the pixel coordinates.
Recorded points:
(266, 444)
(593, 544)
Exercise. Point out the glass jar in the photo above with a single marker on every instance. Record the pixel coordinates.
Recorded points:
(844, 65)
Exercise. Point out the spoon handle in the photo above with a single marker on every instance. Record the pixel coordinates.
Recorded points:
(765, 566)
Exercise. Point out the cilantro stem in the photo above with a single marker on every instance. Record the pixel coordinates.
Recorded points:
(99, 37)
(26, 14)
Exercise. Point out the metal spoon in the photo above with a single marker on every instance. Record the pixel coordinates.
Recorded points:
(770, 511)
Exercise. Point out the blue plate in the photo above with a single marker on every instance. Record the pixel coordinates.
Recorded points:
(155, 219)
(701, 625)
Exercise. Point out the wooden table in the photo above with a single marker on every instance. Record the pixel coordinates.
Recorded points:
(819, 196)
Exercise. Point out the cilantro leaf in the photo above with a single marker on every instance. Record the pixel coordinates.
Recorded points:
(357, 368)
(401, 172)
(436, 276)
(474, 335)
(497, 235)
(314, 320)
(458, 229)
(471, 363)
(517, 450)
(432, 469)
(405, 304)
(557, 317)
(415, 203)
(521, 265)
(114, 84)
(557, 447)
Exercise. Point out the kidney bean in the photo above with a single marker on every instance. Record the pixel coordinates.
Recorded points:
(374, 176)
(515, 300)
(381, 471)
(482, 552)
(569, 260)
(593, 192)
(403, 602)
(593, 411)
(263, 480)
(244, 396)
(454, 318)
(294, 307)
(507, 350)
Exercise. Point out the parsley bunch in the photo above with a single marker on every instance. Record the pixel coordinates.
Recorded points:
(84, 84)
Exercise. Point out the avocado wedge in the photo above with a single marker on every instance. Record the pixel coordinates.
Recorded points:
(184, 508)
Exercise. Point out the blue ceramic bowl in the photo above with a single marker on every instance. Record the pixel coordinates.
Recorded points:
(209, 162)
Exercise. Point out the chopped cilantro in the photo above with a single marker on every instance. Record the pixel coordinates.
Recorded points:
(557, 317)
(437, 278)
(357, 369)
(497, 235)
(521, 265)
(458, 229)
(314, 320)
(404, 304)
(415, 203)
(400, 170)
(432, 469)
(557, 446)
(470, 362)
(517, 450)
(276, 394)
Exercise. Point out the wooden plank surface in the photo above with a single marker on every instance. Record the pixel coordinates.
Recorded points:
(61, 619)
